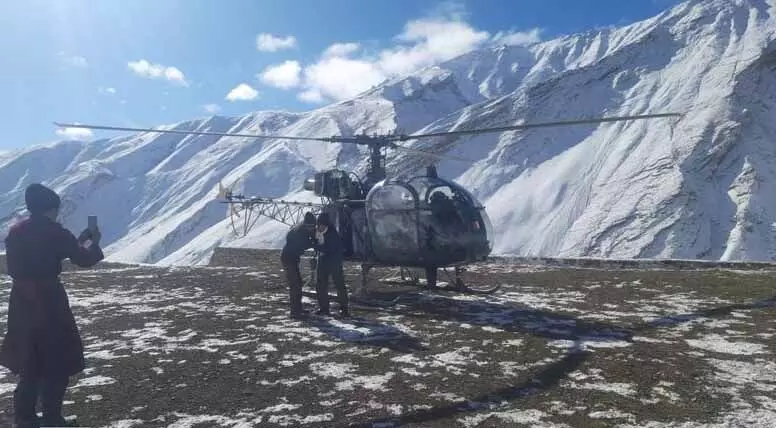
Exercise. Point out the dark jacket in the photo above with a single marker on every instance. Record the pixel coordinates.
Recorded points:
(331, 249)
(300, 238)
(41, 328)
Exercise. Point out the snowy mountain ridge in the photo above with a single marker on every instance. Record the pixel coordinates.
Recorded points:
(695, 188)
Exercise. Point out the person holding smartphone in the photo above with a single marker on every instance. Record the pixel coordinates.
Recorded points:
(42, 344)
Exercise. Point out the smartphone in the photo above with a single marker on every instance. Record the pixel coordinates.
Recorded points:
(92, 225)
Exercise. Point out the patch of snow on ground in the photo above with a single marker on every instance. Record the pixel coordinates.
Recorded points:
(529, 417)
(624, 389)
(760, 375)
(333, 369)
(719, 344)
(95, 381)
(374, 383)
(126, 423)
(611, 414)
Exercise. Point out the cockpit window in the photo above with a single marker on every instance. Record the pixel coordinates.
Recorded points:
(393, 221)
(440, 193)
(426, 187)
(391, 197)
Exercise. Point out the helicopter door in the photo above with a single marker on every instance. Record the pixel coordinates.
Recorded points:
(358, 232)
(444, 224)
(392, 213)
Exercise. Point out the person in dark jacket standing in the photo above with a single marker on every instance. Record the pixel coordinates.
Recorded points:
(300, 238)
(330, 259)
(42, 344)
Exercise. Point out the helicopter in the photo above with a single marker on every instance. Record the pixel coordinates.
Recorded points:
(425, 222)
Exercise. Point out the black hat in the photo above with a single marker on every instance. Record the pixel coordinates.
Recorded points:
(309, 218)
(40, 198)
(323, 219)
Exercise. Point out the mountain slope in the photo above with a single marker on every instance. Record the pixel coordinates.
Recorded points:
(643, 189)
(697, 189)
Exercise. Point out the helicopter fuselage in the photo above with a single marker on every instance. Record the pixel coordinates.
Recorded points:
(423, 222)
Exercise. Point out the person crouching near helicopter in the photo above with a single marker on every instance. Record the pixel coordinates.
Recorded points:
(300, 238)
(330, 260)
(42, 343)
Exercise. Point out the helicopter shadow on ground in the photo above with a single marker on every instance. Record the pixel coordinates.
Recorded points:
(507, 316)
(368, 333)
(535, 322)
(716, 312)
(540, 323)
(548, 377)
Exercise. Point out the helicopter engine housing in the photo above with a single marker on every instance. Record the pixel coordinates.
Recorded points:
(334, 184)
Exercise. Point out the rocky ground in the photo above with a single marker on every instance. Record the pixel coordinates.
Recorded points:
(555, 347)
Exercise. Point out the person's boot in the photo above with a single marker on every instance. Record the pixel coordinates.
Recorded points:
(57, 423)
(51, 400)
(25, 399)
(299, 315)
(53, 422)
(26, 423)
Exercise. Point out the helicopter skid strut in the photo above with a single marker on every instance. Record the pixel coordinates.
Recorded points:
(465, 289)
(360, 294)
(458, 285)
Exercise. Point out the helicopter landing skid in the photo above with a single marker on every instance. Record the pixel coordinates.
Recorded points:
(459, 286)
(465, 289)
(409, 277)
(361, 297)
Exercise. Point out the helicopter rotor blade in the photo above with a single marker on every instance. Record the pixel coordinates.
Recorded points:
(432, 154)
(537, 125)
(218, 134)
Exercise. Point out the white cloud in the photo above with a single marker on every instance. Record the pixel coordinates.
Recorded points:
(342, 78)
(75, 133)
(212, 108)
(270, 43)
(150, 70)
(285, 75)
(77, 61)
(518, 38)
(341, 49)
(310, 96)
(341, 74)
(431, 41)
(109, 91)
(73, 60)
(242, 92)
(346, 69)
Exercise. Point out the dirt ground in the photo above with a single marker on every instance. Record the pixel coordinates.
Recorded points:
(212, 346)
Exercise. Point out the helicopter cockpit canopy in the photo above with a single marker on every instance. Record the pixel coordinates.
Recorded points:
(392, 212)
(426, 220)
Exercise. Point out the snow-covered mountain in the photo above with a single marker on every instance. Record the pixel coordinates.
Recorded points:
(699, 187)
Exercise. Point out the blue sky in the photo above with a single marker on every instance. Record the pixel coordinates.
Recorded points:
(150, 62)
